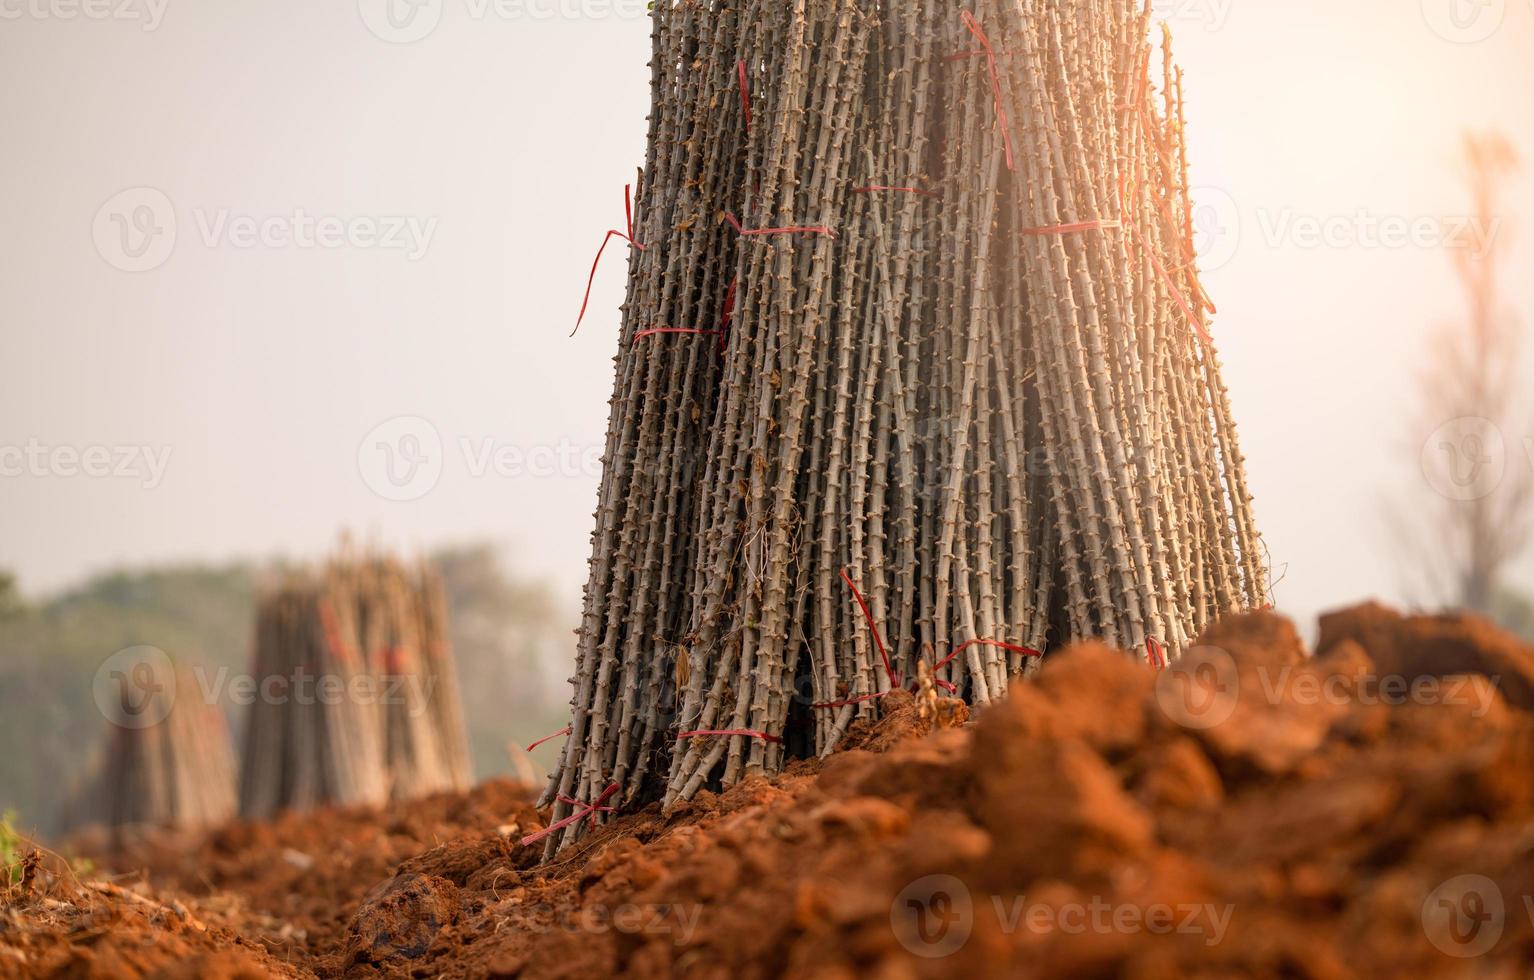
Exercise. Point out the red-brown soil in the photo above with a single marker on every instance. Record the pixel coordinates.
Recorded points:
(1254, 811)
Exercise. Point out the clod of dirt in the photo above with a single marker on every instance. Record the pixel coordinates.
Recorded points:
(1435, 646)
(401, 918)
(1089, 692)
(1052, 807)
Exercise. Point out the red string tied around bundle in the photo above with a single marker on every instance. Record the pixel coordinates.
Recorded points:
(628, 236)
(731, 732)
(653, 331)
(895, 681)
(1137, 239)
(549, 738)
(791, 230)
(574, 802)
(745, 91)
(990, 60)
(587, 809)
(1023, 651)
(889, 668)
(1071, 229)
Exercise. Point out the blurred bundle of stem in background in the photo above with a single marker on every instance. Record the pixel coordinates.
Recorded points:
(382, 720)
(504, 631)
(169, 760)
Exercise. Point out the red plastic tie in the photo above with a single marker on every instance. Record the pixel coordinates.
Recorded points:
(1100, 225)
(1025, 651)
(873, 188)
(628, 216)
(745, 91)
(1161, 271)
(1138, 105)
(990, 60)
(729, 300)
(745, 732)
(393, 660)
(878, 640)
(1155, 653)
(793, 230)
(574, 802)
(589, 809)
(549, 738)
(688, 330)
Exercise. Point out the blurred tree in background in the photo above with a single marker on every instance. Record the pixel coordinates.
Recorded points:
(505, 634)
(1473, 420)
(11, 603)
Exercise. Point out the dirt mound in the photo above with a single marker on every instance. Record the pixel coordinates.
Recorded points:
(56, 925)
(297, 881)
(1253, 810)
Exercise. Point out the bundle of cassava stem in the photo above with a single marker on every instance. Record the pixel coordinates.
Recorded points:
(357, 693)
(914, 369)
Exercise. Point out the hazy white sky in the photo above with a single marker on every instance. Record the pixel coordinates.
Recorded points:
(364, 231)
